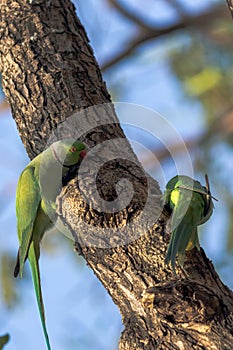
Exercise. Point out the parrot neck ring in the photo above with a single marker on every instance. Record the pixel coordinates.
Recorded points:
(58, 160)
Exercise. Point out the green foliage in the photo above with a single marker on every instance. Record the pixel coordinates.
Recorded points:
(3, 340)
(9, 293)
(204, 67)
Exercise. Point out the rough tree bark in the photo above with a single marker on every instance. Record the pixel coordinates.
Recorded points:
(49, 72)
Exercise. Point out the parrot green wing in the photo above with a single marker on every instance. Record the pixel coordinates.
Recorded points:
(32, 256)
(178, 227)
(32, 222)
(28, 199)
(185, 219)
(188, 238)
(190, 205)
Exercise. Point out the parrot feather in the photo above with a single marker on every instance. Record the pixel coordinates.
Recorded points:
(191, 205)
(37, 285)
(27, 203)
(37, 189)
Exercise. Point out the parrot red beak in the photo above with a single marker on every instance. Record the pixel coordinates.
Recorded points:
(83, 153)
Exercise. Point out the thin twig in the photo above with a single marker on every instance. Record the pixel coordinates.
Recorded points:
(175, 4)
(129, 14)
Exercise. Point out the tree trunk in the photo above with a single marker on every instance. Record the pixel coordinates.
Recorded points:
(49, 73)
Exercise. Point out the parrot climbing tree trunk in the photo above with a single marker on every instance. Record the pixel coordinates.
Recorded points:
(49, 73)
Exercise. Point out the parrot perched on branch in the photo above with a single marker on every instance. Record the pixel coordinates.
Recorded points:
(36, 193)
(190, 205)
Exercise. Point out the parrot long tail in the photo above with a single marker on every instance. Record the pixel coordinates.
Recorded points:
(17, 266)
(37, 285)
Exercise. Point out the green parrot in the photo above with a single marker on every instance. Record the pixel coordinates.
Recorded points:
(191, 205)
(36, 193)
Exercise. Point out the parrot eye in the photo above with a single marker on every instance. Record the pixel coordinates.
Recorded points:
(73, 149)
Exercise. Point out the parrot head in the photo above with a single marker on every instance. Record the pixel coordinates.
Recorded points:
(68, 152)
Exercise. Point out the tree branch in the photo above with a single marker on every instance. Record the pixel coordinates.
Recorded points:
(145, 35)
(130, 15)
(43, 62)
